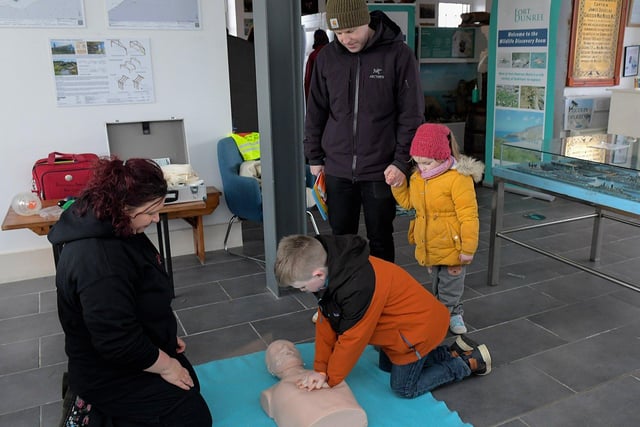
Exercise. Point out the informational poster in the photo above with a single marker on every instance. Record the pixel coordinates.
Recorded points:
(154, 14)
(578, 113)
(446, 42)
(586, 114)
(585, 147)
(42, 13)
(597, 31)
(102, 71)
(521, 99)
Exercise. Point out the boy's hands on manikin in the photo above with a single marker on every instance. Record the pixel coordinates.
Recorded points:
(313, 381)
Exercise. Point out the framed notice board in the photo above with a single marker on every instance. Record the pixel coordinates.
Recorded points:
(451, 43)
(595, 50)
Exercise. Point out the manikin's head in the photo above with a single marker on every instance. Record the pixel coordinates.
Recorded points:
(282, 355)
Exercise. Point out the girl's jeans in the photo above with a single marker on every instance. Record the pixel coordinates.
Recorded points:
(433, 370)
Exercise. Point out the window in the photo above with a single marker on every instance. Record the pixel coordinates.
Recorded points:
(449, 13)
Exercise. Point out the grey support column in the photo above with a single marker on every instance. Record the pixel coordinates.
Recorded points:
(279, 52)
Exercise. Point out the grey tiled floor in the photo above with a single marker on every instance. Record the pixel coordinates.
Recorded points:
(565, 344)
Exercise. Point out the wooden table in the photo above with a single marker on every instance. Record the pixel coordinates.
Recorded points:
(191, 212)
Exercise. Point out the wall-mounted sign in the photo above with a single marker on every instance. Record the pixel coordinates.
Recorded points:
(597, 30)
(99, 71)
(447, 42)
(520, 87)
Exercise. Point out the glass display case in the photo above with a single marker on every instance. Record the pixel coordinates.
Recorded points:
(602, 171)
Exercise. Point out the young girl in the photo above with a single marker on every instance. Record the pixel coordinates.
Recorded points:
(445, 229)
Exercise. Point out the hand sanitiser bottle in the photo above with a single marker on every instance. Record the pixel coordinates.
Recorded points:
(475, 95)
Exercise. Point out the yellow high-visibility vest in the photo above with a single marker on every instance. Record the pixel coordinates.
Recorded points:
(248, 145)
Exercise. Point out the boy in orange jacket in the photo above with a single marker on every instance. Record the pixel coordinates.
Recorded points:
(365, 300)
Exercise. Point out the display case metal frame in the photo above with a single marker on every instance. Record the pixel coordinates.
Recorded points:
(605, 206)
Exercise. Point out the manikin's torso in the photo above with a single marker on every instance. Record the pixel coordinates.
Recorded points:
(291, 406)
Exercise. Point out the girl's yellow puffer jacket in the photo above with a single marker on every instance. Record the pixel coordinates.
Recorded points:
(446, 222)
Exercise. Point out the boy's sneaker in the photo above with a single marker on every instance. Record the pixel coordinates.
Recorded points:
(478, 360)
(461, 345)
(456, 325)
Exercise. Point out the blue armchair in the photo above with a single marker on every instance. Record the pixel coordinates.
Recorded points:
(243, 194)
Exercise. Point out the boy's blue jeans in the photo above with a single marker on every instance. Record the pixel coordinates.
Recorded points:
(437, 368)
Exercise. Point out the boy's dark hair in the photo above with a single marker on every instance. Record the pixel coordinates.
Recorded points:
(297, 257)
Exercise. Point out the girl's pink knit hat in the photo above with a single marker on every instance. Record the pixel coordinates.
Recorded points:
(432, 141)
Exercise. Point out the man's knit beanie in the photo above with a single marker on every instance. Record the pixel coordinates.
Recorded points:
(431, 141)
(342, 14)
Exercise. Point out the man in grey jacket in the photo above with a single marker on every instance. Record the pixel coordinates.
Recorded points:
(364, 106)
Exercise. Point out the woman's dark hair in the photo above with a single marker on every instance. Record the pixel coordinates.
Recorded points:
(116, 186)
(320, 38)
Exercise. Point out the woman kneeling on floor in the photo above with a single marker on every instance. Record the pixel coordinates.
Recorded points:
(127, 366)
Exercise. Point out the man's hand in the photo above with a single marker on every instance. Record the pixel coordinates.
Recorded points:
(313, 381)
(394, 176)
(316, 169)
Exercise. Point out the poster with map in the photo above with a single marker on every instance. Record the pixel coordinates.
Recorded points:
(99, 71)
(522, 49)
(42, 13)
(154, 14)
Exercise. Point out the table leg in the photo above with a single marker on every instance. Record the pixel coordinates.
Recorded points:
(497, 213)
(197, 227)
(160, 239)
(198, 238)
(596, 236)
(164, 247)
(164, 219)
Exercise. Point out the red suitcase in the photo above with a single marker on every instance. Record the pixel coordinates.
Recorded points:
(62, 175)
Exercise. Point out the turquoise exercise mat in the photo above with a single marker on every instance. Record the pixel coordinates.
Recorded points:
(232, 389)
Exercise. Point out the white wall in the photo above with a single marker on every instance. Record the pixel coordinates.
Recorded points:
(480, 5)
(191, 82)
